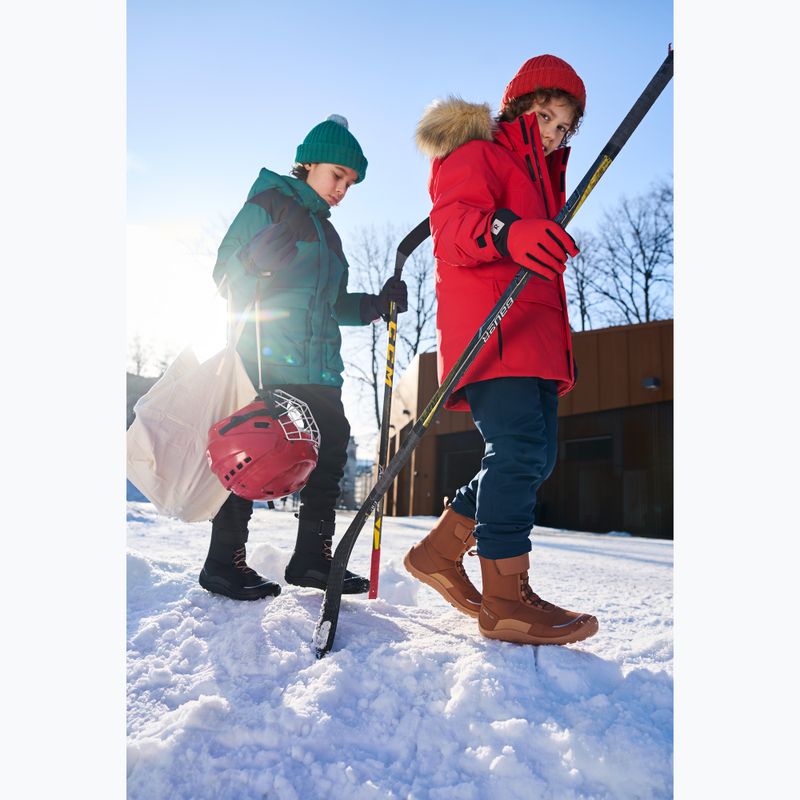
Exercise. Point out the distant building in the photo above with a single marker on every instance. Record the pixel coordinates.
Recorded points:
(347, 497)
(136, 386)
(366, 474)
(614, 469)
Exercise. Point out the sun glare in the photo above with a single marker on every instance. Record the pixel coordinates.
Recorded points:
(172, 301)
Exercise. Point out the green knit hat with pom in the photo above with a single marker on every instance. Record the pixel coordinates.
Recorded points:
(331, 142)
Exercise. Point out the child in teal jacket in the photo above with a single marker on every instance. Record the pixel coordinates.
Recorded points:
(282, 249)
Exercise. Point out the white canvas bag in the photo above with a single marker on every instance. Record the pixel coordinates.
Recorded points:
(168, 437)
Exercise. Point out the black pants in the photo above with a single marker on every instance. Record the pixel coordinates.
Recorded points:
(318, 497)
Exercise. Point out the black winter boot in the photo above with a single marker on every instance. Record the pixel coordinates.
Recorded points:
(226, 571)
(310, 564)
(233, 578)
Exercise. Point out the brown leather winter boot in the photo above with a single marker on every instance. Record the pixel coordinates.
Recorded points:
(437, 561)
(511, 612)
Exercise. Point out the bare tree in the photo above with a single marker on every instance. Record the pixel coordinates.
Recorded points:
(138, 354)
(634, 256)
(372, 259)
(147, 359)
(164, 360)
(417, 331)
(581, 276)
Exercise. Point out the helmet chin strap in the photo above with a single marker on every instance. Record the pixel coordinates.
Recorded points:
(265, 394)
(258, 338)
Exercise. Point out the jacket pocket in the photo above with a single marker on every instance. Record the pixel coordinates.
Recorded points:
(541, 290)
(286, 329)
(533, 337)
(332, 348)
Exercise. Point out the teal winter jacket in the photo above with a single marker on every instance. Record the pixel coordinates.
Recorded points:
(304, 301)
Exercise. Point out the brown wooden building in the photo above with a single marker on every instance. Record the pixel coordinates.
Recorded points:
(614, 470)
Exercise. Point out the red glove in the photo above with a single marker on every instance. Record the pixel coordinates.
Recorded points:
(540, 245)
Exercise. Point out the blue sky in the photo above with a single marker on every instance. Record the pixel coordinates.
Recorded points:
(215, 91)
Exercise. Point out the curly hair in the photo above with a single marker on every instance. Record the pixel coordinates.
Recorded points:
(522, 104)
(299, 172)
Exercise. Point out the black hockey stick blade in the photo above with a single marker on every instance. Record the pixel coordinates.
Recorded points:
(411, 241)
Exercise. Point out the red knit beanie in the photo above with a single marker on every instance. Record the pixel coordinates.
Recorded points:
(545, 72)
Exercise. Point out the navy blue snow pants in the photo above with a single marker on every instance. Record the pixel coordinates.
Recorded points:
(517, 418)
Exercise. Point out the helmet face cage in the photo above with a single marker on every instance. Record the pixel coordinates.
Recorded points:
(267, 449)
(295, 418)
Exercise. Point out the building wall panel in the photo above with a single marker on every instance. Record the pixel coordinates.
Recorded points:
(644, 354)
(615, 467)
(612, 367)
(585, 352)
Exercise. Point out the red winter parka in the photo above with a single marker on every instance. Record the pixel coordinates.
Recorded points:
(478, 167)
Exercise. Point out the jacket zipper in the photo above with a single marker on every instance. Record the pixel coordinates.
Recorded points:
(528, 144)
(539, 171)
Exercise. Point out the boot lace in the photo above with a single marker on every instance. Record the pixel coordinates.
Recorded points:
(327, 551)
(327, 554)
(239, 561)
(460, 563)
(530, 597)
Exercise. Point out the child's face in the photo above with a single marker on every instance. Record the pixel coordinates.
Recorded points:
(555, 118)
(330, 181)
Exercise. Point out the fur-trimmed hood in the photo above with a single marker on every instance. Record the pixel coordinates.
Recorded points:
(449, 123)
(479, 166)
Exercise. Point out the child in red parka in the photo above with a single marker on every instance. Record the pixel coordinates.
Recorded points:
(496, 185)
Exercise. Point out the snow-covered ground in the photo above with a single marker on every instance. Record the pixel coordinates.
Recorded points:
(226, 699)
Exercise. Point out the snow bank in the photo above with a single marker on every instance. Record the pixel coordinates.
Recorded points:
(226, 699)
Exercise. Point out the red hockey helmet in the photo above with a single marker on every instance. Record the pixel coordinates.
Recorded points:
(267, 449)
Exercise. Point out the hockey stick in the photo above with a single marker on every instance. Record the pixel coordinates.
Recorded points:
(404, 250)
(325, 630)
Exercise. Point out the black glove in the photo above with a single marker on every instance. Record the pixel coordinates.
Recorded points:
(377, 305)
(270, 249)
